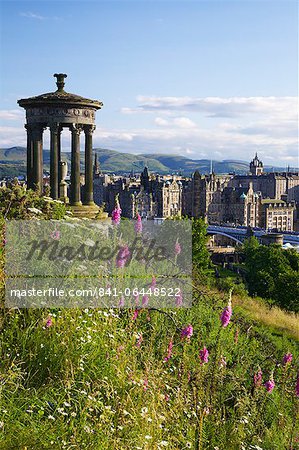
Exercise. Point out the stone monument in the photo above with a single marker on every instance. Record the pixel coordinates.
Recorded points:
(58, 110)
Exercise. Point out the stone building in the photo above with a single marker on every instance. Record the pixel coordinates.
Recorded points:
(236, 199)
(277, 215)
(202, 196)
(278, 185)
(240, 206)
(256, 166)
(150, 196)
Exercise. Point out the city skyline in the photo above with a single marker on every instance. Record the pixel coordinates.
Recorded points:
(214, 80)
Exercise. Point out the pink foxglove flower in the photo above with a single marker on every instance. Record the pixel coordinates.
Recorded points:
(169, 351)
(204, 355)
(135, 315)
(55, 235)
(116, 213)
(145, 301)
(287, 358)
(226, 313)
(258, 378)
(122, 256)
(179, 299)
(120, 263)
(136, 299)
(153, 283)
(145, 384)
(187, 332)
(121, 303)
(138, 224)
(270, 384)
(49, 322)
(177, 248)
(139, 340)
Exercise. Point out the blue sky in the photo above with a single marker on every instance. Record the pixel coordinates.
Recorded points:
(204, 79)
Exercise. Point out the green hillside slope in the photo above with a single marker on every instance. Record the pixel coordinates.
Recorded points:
(120, 162)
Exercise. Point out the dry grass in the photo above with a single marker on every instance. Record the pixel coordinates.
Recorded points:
(271, 316)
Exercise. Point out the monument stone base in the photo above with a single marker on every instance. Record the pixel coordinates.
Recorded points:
(88, 211)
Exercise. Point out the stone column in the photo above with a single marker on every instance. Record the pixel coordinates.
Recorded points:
(37, 150)
(59, 153)
(29, 157)
(54, 182)
(88, 188)
(75, 167)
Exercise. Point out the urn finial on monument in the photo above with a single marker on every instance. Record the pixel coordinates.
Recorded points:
(60, 80)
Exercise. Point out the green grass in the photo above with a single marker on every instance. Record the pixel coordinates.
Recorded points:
(90, 382)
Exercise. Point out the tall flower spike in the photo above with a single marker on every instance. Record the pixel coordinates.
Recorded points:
(187, 332)
(227, 312)
(138, 224)
(122, 256)
(135, 315)
(270, 384)
(179, 299)
(121, 303)
(257, 378)
(287, 359)
(153, 283)
(145, 301)
(116, 213)
(169, 351)
(177, 248)
(204, 355)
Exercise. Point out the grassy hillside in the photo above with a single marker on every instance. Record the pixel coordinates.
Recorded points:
(119, 162)
(217, 375)
(98, 379)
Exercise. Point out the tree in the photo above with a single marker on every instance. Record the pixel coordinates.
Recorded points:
(272, 273)
(200, 254)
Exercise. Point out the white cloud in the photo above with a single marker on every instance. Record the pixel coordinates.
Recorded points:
(179, 122)
(213, 127)
(11, 114)
(32, 15)
(222, 107)
(161, 122)
(184, 122)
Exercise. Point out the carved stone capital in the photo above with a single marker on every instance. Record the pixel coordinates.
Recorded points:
(76, 129)
(55, 128)
(37, 131)
(89, 129)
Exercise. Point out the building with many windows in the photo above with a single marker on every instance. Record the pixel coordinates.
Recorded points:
(277, 215)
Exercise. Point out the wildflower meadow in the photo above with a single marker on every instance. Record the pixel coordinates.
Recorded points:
(220, 374)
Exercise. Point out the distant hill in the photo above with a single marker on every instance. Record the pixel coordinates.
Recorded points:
(13, 162)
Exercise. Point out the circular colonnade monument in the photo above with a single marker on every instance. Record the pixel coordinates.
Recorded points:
(58, 110)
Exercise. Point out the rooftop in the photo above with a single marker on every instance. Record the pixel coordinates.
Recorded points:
(59, 97)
